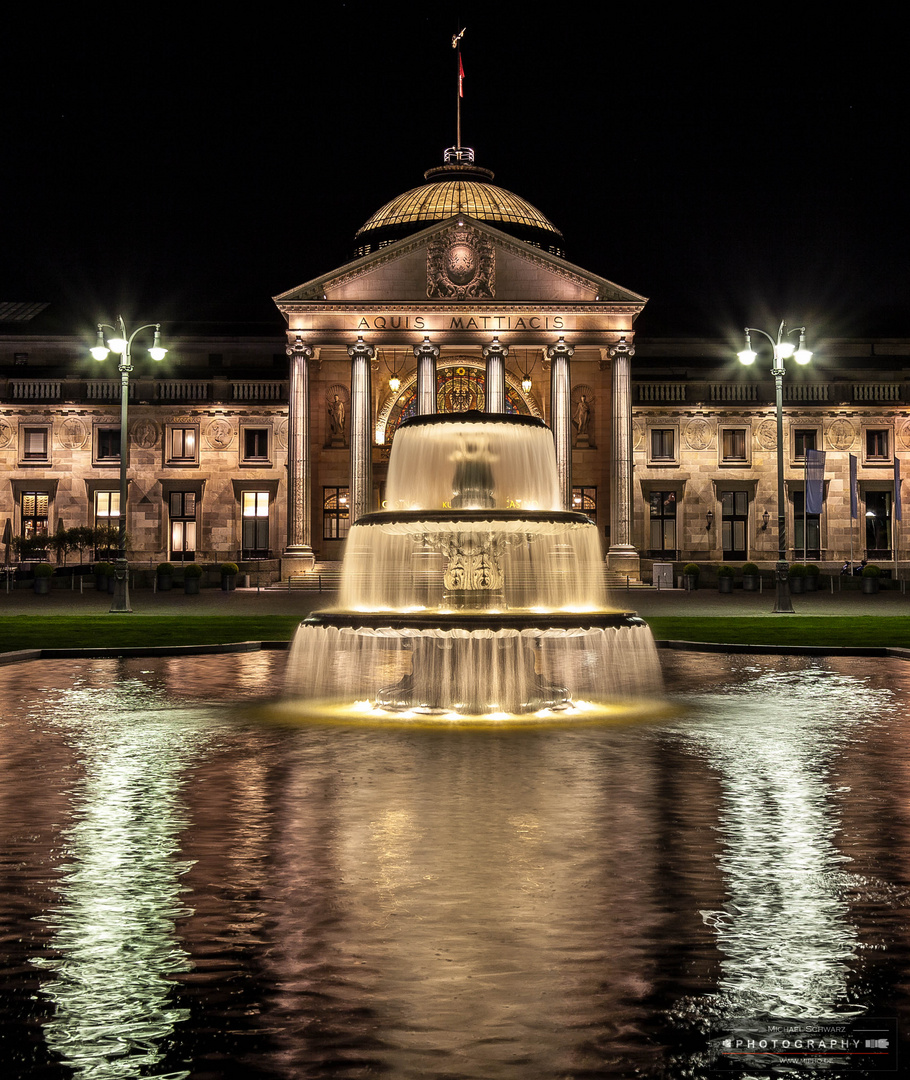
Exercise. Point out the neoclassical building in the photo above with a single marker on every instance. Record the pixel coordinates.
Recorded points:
(263, 449)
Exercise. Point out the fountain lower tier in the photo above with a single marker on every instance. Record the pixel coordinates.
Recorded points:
(478, 663)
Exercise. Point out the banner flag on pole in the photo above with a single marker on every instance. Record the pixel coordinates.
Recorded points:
(815, 481)
(897, 489)
(853, 498)
(460, 75)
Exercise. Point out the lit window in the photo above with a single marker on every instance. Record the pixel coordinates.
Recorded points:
(182, 507)
(584, 500)
(183, 445)
(255, 513)
(34, 515)
(107, 524)
(336, 513)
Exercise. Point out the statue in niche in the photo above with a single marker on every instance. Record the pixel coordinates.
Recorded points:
(583, 401)
(337, 413)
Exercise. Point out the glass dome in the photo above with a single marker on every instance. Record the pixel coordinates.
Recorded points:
(452, 189)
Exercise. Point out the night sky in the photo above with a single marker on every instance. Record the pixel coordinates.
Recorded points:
(190, 164)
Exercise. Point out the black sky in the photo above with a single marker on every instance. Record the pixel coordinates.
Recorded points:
(187, 165)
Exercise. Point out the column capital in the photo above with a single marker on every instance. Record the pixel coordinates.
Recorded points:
(495, 348)
(298, 347)
(560, 349)
(361, 350)
(426, 348)
(621, 348)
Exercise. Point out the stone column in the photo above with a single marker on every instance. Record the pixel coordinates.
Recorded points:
(561, 416)
(427, 354)
(298, 555)
(361, 430)
(495, 387)
(622, 556)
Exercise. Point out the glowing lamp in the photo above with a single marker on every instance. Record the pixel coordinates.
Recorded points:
(100, 350)
(802, 354)
(117, 345)
(156, 351)
(394, 384)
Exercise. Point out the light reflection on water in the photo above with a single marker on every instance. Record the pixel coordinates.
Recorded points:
(196, 893)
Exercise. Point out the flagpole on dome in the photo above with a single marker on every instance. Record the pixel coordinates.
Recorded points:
(456, 45)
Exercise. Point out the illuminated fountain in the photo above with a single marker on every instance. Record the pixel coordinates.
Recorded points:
(474, 594)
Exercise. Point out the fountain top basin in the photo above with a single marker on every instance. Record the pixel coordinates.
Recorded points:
(472, 416)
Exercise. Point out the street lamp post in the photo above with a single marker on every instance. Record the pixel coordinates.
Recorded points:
(121, 344)
(782, 350)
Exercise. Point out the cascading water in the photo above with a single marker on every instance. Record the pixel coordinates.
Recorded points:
(474, 593)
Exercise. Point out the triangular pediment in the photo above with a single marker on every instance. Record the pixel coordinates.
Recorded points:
(460, 260)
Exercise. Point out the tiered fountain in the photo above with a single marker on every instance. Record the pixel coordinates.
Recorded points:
(474, 594)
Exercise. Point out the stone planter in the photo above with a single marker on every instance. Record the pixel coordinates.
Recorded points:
(101, 582)
(725, 583)
(42, 585)
(751, 582)
(870, 585)
(165, 583)
(811, 583)
(797, 585)
(690, 582)
(228, 582)
(191, 586)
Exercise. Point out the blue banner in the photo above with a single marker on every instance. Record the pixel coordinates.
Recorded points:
(897, 489)
(815, 481)
(853, 499)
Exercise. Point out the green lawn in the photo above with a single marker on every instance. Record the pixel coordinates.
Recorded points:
(106, 631)
(838, 630)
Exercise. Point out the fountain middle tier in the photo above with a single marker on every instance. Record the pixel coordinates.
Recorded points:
(448, 560)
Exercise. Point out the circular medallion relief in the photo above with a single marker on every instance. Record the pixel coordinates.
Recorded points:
(219, 434)
(638, 434)
(698, 434)
(6, 434)
(905, 435)
(841, 434)
(281, 432)
(73, 433)
(145, 433)
(766, 435)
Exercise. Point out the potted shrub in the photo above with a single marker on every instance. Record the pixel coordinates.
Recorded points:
(798, 577)
(690, 576)
(229, 572)
(871, 575)
(812, 575)
(751, 577)
(165, 574)
(724, 578)
(192, 572)
(43, 574)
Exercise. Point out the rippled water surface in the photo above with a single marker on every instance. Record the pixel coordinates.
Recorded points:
(191, 890)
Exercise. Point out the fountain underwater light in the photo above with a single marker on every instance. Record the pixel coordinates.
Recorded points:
(474, 594)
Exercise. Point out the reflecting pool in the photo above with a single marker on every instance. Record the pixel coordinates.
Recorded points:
(191, 889)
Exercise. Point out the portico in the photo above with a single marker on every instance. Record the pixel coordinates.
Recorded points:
(463, 311)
